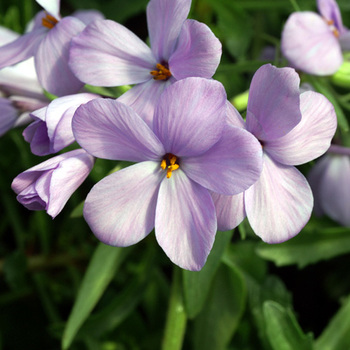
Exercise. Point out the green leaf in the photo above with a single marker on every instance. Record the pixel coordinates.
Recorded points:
(197, 283)
(283, 330)
(308, 247)
(337, 333)
(219, 319)
(102, 268)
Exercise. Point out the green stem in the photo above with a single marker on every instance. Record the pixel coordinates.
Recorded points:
(176, 320)
(295, 5)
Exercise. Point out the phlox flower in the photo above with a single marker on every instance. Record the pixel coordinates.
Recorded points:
(314, 42)
(49, 185)
(48, 41)
(20, 91)
(51, 130)
(189, 152)
(292, 130)
(330, 182)
(108, 54)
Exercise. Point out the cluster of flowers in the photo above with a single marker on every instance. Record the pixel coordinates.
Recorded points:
(199, 167)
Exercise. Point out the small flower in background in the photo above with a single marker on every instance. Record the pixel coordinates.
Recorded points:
(313, 43)
(49, 185)
(292, 130)
(330, 182)
(189, 152)
(20, 91)
(51, 129)
(48, 41)
(108, 54)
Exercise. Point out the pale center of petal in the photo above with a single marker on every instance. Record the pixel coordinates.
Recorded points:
(161, 72)
(49, 21)
(333, 28)
(169, 163)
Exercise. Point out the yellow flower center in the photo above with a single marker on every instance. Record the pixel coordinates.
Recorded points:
(170, 163)
(162, 72)
(49, 21)
(333, 28)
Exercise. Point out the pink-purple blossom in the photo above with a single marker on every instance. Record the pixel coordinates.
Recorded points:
(48, 41)
(49, 185)
(293, 129)
(108, 54)
(314, 42)
(189, 152)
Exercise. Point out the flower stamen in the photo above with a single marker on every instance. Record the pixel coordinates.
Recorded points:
(162, 72)
(333, 28)
(169, 163)
(49, 21)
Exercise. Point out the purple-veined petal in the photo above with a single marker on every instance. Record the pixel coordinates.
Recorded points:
(344, 41)
(51, 59)
(273, 104)
(8, 115)
(165, 19)
(232, 165)
(22, 48)
(233, 116)
(120, 209)
(109, 129)
(36, 134)
(311, 137)
(185, 224)
(190, 116)
(197, 53)
(88, 16)
(310, 45)
(329, 10)
(68, 176)
(335, 190)
(279, 204)
(30, 199)
(59, 116)
(229, 210)
(142, 98)
(108, 54)
(7, 35)
(51, 6)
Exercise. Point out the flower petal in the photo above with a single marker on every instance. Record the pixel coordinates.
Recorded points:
(197, 53)
(8, 116)
(109, 129)
(233, 116)
(190, 116)
(229, 210)
(36, 134)
(120, 209)
(51, 6)
(309, 44)
(311, 137)
(273, 104)
(345, 41)
(22, 48)
(335, 190)
(164, 20)
(185, 224)
(142, 98)
(108, 54)
(232, 165)
(51, 59)
(88, 16)
(329, 10)
(279, 204)
(59, 116)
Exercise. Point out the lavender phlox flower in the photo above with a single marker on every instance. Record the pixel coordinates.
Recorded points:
(189, 152)
(48, 41)
(314, 42)
(108, 54)
(51, 129)
(292, 130)
(20, 91)
(330, 182)
(49, 185)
